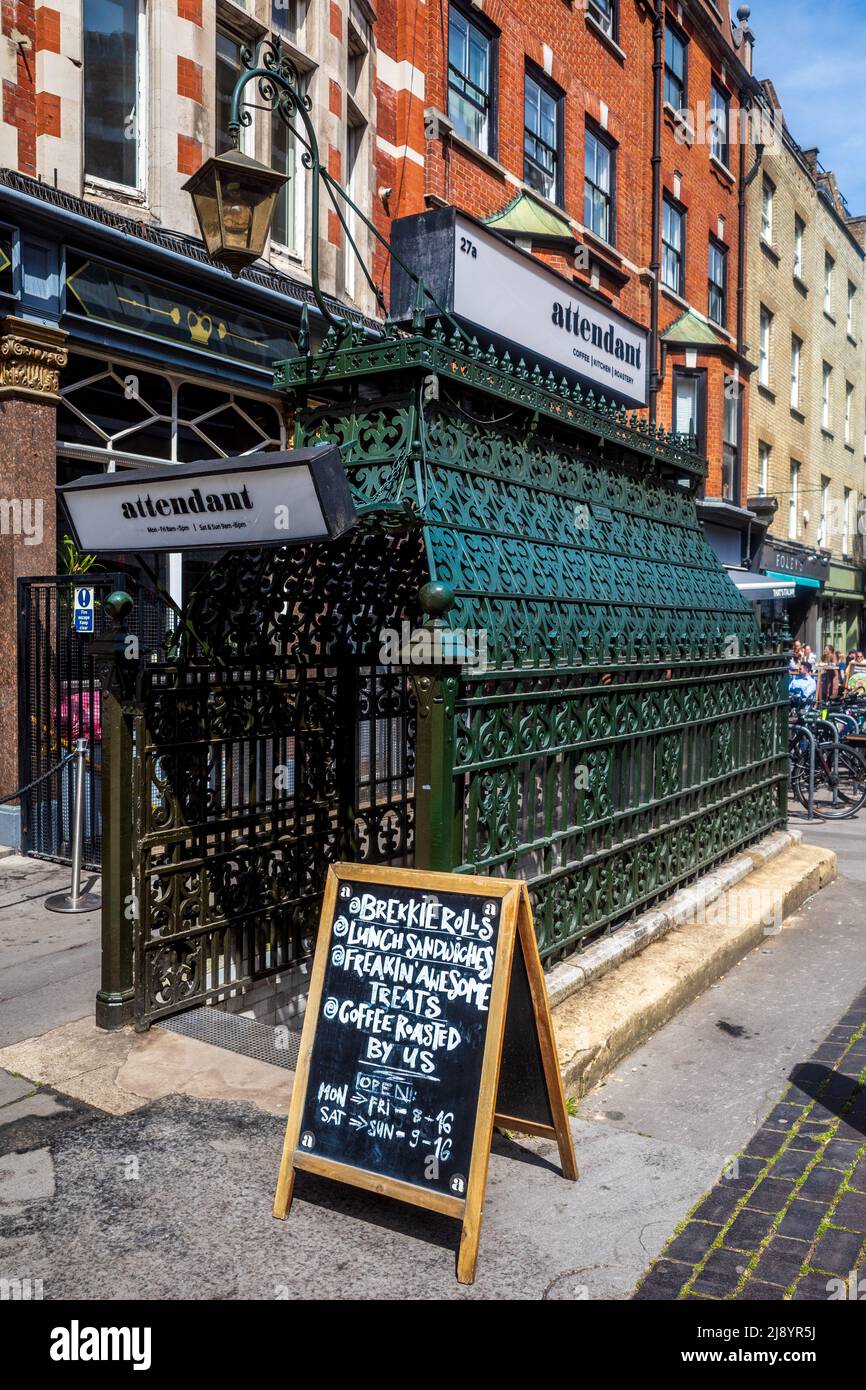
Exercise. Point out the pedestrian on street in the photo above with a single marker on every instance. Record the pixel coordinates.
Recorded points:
(828, 671)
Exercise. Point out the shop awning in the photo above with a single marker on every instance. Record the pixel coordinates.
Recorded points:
(803, 580)
(755, 587)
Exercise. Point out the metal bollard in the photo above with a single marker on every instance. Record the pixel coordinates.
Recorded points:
(75, 900)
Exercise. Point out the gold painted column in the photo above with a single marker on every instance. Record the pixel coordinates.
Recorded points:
(31, 357)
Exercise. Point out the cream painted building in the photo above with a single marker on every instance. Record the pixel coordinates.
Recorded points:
(131, 96)
(807, 435)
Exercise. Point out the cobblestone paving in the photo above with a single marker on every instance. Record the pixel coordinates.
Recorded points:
(787, 1218)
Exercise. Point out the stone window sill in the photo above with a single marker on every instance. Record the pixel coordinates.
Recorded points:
(609, 43)
(598, 243)
(472, 152)
(114, 193)
(676, 298)
(675, 120)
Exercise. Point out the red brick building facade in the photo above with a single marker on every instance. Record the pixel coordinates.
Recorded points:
(551, 113)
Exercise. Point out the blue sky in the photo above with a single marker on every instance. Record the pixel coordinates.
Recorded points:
(815, 53)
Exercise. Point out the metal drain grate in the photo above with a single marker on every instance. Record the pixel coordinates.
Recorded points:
(237, 1034)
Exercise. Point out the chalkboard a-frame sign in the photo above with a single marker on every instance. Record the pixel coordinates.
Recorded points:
(427, 1023)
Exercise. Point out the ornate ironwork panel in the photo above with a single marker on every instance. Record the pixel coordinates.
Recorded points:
(608, 788)
(273, 744)
(250, 781)
(629, 728)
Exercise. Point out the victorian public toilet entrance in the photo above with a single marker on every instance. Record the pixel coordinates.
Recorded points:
(268, 751)
(626, 731)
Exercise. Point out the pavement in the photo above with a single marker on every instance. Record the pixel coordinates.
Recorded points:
(787, 1218)
(49, 962)
(171, 1196)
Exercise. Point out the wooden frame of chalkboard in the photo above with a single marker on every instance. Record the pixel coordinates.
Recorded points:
(398, 925)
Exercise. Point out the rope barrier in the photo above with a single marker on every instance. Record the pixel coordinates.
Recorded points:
(13, 796)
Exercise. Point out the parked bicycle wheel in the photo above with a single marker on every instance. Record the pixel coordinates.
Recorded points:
(840, 780)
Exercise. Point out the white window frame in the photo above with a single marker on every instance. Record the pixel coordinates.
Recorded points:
(138, 190)
(353, 222)
(799, 231)
(604, 15)
(764, 344)
(763, 468)
(829, 269)
(825, 511)
(768, 191)
(846, 521)
(297, 14)
(849, 410)
(247, 133)
(852, 300)
(720, 131)
(299, 211)
(826, 380)
(794, 501)
(455, 12)
(796, 370)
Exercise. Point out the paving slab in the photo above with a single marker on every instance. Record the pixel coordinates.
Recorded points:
(797, 1217)
(606, 1020)
(13, 1087)
(124, 1070)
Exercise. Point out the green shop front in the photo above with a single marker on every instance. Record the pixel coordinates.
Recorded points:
(842, 608)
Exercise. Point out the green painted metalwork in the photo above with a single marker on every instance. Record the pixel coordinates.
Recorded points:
(450, 354)
(270, 746)
(629, 730)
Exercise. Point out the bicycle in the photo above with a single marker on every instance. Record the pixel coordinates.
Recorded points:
(834, 785)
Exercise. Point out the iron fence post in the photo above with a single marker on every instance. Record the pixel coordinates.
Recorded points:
(116, 665)
(437, 828)
(435, 808)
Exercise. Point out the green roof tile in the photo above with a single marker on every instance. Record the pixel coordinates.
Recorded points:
(524, 216)
(690, 329)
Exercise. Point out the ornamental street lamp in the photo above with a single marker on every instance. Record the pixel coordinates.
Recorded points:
(234, 198)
